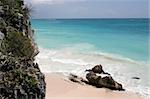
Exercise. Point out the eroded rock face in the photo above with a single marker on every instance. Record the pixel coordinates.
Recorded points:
(20, 76)
(98, 81)
(92, 78)
(20, 80)
(110, 83)
(95, 78)
(76, 79)
(98, 69)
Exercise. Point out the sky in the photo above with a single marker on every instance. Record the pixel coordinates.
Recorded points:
(89, 8)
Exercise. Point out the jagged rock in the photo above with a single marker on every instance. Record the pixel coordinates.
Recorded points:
(98, 69)
(75, 78)
(20, 81)
(20, 76)
(92, 78)
(110, 83)
(99, 81)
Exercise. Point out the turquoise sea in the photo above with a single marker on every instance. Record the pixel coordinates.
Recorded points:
(120, 45)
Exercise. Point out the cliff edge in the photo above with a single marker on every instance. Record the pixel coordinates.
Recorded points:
(20, 76)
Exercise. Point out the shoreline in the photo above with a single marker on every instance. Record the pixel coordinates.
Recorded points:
(59, 87)
(123, 71)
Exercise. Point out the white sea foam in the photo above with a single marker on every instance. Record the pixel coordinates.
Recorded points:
(122, 69)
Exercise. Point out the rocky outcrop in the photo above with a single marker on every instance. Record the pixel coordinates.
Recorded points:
(98, 69)
(20, 76)
(99, 81)
(76, 79)
(20, 79)
(94, 78)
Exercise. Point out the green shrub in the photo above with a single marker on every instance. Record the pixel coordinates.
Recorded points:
(2, 24)
(18, 45)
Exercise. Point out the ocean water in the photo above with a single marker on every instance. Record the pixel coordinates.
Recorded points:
(73, 45)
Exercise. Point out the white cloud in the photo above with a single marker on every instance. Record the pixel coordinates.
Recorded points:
(66, 1)
(51, 1)
(42, 1)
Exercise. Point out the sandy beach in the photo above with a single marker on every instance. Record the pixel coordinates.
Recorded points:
(58, 87)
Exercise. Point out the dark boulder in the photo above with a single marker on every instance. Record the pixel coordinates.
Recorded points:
(135, 78)
(110, 83)
(98, 69)
(92, 78)
(95, 78)
(76, 79)
(99, 81)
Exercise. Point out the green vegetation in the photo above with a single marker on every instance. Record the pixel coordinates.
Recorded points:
(18, 45)
(20, 76)
(2, 25)
(11, 9)
(27, 11)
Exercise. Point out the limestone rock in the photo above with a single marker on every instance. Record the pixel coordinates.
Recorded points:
(20, 76)
(20, 80)
(94, 78)
(75, 78)
(98, 69)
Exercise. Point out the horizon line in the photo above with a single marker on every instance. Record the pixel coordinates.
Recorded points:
(93, 18)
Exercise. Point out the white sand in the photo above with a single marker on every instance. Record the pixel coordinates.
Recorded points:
(59, 88)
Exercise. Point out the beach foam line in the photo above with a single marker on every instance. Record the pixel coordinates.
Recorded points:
(73, 60)
(50, 53)
(120, 58)
(68, 61)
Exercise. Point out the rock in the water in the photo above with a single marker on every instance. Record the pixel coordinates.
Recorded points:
(135, 78)
(75, 78)
(98, 69)
(92, 78)
(110, 83)
(98, 81)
